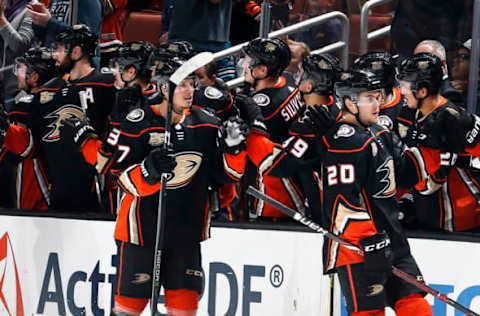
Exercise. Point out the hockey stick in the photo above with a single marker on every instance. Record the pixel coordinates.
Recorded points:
(180, 74)
(316, 227)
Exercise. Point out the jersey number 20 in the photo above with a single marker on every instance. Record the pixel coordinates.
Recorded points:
(341, 173)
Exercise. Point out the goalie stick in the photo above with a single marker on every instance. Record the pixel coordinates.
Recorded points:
(317, 228)
(178, 76)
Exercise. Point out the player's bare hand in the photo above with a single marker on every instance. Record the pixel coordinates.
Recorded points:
(39, 13)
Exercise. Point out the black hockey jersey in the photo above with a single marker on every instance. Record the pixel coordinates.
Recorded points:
(221, 101)
(358, 191)
(199, 164)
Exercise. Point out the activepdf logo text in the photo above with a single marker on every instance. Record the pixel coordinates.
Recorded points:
(11, 302)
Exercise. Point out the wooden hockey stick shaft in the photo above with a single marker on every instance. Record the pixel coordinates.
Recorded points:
(317, 228)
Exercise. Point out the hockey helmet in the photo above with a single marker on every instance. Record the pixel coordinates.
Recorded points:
(271, 52)
(79, 35)
(181, 49)
(323, 70)
(39, 60)
(134, 54)
(380, 63)
(351, 83)
(422, 70)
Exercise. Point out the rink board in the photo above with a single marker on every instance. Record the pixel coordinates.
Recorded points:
(67, 267)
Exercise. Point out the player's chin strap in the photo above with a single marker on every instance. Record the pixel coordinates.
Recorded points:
(319, 229)
(357, 115)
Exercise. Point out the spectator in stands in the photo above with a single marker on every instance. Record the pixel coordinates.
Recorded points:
(112, 21)
(299, 51)
(322, 34)
(446, 89)
(245, 23)
(207, 29)
(416, 20)
(461, 71)
(16, 34)
(48, 22)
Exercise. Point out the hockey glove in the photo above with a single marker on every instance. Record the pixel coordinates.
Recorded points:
(316, 120)
(377, 253)
(406, 212)
(232, 135)
(251, 113)
(4, 125)
(76, 130)
(127, 100)
(157, 162)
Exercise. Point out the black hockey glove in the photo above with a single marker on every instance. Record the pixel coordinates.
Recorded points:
(157, 162)
(316, 120)
(377, 253)
(232, 135)
(4, 124)
(127, 99)
(250, 113)
(76, 130)
(407, 214)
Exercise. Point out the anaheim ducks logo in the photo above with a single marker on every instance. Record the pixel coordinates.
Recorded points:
(60, 114)
(188, 164)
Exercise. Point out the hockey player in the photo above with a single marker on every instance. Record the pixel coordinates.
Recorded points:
(81, 90)
(30, 184)
(394, 113)
(321, 71)
(446, 197)
(358, 195)
(200, 157)
(280, 102)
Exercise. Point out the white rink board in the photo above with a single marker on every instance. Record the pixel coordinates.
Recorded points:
(65, 268)
(78, 255)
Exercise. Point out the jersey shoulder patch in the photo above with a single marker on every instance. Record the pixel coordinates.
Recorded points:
(27, 98)
(212, 93)
(136, 115)
(344, 131)
(385, 121)
(261, 99)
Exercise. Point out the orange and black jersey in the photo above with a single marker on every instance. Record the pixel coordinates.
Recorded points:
(358, 177)
(295, 159)
(199, 165)
(219, 100)
(390, 112)
(70, 177)
(280, 105)
(444, 197)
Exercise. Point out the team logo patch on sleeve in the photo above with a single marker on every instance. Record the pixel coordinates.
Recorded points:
(344, 131)
(385, 121)
(213, 93)
(261, 99)
(28, 98)
(136, 115)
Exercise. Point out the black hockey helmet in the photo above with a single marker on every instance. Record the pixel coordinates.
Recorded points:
(39, 60)
(271, 52)
(380, 63)
(422, 70)
(180, 49)
(134, 54)
(323, 70)
(351, 83)
(79, 35)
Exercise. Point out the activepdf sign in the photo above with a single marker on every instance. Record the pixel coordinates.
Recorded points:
(67, 267)
(57, 267)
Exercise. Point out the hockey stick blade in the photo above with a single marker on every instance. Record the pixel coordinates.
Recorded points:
(190, 66)
(317, 228)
